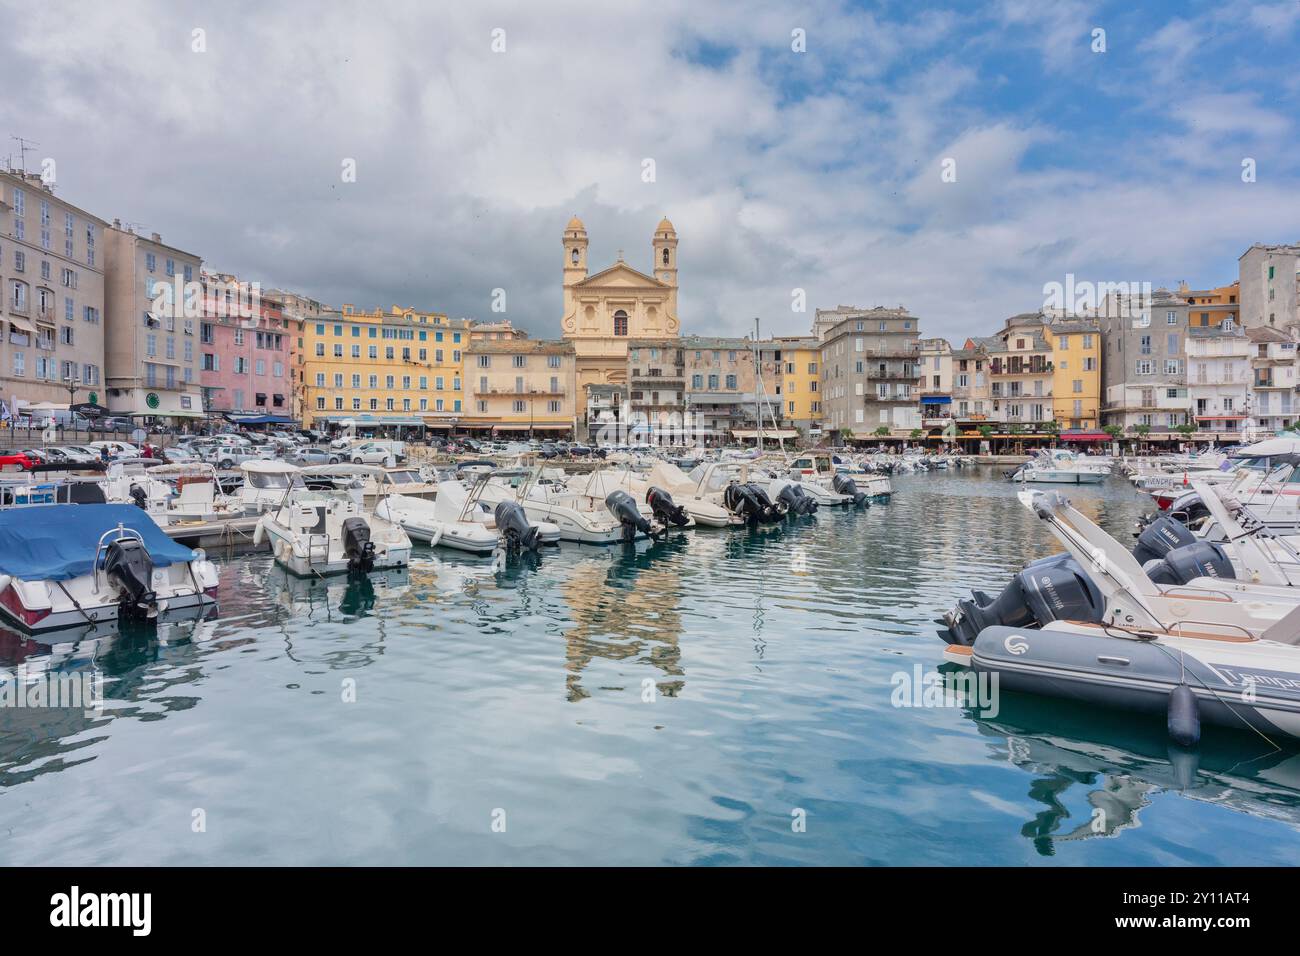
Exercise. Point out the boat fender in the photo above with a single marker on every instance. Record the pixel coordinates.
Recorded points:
(1184, 717)
(436, 536)
(259, 533)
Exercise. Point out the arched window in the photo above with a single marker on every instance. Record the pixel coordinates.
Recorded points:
(665, 257)
(574, 256)
(620, 322)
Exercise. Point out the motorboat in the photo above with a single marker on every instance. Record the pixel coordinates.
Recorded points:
(842, 477)
(265, 484)
(1180, 634)
(654, 502)
(454, 520)
(727, 484)
(319, 531)
(586, 519)
(707, 510)
(1060, 466)
(64, 566)
(1099, 580)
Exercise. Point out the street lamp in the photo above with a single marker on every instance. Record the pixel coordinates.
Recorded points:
(72, 383)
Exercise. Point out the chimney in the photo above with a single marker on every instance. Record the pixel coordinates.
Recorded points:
(117, 224)
(156, 238)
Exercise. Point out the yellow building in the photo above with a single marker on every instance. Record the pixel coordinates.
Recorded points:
(800, 382)
(519, 387)
(393, 371)
(1076, 377)
(602, 312)
(1208, 308)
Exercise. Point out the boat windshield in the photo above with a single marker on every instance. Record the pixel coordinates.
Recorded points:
(262, 479)
(405, 477)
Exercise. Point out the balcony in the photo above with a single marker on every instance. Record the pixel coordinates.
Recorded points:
(1013, 370)
(893, 375)
(539, 392)
(652, 381)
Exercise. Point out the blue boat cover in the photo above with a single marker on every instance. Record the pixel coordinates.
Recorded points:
(57, 542)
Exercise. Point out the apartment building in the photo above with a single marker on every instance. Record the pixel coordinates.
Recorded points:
(936, 360)
(246, 351)
(522, 387)
(656, 389)
(1144, 370)
(1021, 374)
(722, 386)
(797, 361)
(395, 370)
(152, 310)
(1219, 380)
(1273, 381)
(495, 331)
(51, 296)
(972, 398)
(1076, 380)
(1269, 276)
(297, 310)
(871, 373)
(603, 420)
(1207, 307)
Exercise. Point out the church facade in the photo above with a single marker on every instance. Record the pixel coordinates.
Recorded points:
(602, 312)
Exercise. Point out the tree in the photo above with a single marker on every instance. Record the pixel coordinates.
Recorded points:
(986, 432)
(916, 433)
(1114, 431)
(1186, 430)
(882, 431)
(1053, 429)
(1142, 430)
(845, 434)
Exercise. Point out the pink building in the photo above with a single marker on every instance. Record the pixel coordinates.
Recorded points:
(245, 348)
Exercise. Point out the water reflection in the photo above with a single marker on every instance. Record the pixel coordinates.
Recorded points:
(624, 606)
(1121, 764)
(314, 614)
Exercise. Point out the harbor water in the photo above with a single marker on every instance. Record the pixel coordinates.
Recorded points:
(721, 697)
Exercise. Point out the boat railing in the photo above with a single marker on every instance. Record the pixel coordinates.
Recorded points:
(123, 533)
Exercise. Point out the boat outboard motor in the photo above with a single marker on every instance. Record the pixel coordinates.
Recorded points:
(129, 567)
(740, 500)
(665, 509)
(1051, 589)
(844, 485)
(512, 521)
(795, 501)
(357, 546)
(1160, 537)
(623, 507)
(1202, 559)
(139, 497)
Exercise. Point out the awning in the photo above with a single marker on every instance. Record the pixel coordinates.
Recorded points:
(369, 421)
(1219, 418)
(774, 434)
(260, 420)
(21, 323)
(935, 399)
(1081, 435)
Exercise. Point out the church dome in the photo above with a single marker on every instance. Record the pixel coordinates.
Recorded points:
(575, 224)
(665, 226)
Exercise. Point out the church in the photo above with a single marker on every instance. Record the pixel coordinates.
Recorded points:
(603, 311)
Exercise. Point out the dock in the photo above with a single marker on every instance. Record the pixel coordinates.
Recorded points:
(221, 538)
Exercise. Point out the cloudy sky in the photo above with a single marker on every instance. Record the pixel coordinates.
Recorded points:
(478, 129)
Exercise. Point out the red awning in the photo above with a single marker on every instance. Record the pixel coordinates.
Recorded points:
(1084, 436)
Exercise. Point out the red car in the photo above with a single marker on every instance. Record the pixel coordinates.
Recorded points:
(20, 459)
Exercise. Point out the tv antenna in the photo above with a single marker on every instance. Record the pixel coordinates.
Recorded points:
(23, 146)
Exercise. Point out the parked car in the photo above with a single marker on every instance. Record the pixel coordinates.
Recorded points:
(112, 425)
(368, 454)
(315, 455)
(179, 455)
(16, 459)
(76, 456)
(116, 449)
(226, 457)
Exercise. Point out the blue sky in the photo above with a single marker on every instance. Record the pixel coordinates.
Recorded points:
(818, 170)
